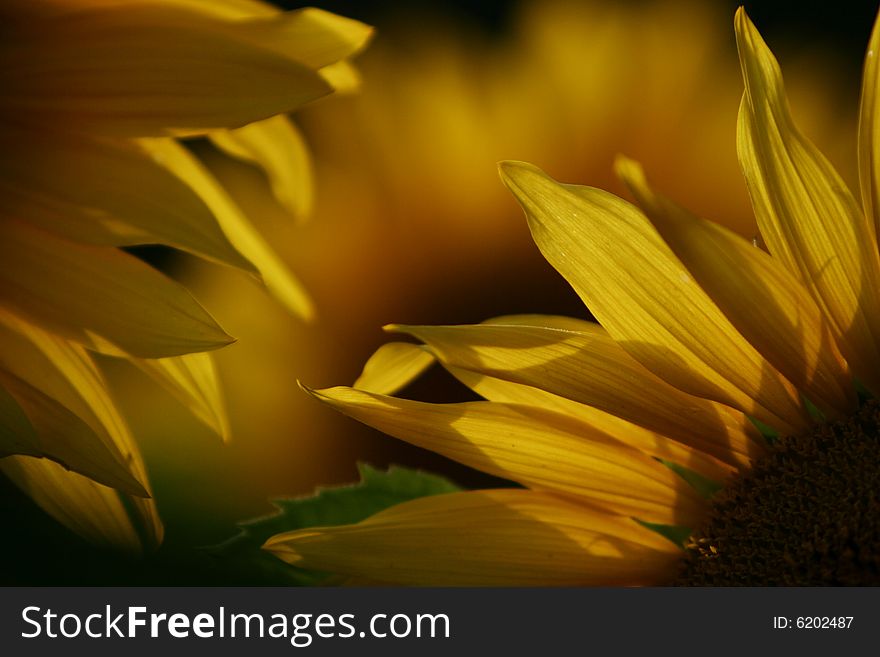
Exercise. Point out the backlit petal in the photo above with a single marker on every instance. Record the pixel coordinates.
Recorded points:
(342, 76)
(106, 192)
(240, 231)
(491, 537)
(869, 131)
(393, 366)
(278, 148)
(58, 434)
(601, 425)
(807, 216)
(765, 303)
(588, 367)
(65, 372)
(645, 298)
(80, 291)
(532, 446)
(193, 380)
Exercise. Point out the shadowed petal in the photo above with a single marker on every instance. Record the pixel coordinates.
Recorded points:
(193, 380)
(485, 538)
(84, 291)
(93, 511)
(106, 192)
(144, 70)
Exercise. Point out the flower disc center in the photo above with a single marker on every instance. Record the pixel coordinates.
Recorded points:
(808, 514)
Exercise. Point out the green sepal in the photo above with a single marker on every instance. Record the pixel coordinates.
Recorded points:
(675, 533)
(770, 434)
(703, 485)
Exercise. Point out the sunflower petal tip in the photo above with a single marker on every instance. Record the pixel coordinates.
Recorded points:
(626, 168)
(632, 175)
(744, 28)
(324, 395)
(510, 168)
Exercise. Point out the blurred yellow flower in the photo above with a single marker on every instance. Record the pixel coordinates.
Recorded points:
(626, 431)
(94, 95)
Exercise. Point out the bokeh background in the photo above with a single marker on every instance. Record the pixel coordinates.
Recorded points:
(412, 225)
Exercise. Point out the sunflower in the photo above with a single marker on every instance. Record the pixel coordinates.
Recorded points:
(715, 427)
(456, 106)
(96, 95)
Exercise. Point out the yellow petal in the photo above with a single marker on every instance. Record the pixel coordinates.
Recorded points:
(240, 231)
(807, 216)
(93, 511)
(596, 424)
(276, 145)
(58, 434)
(765, 303)
(80, 290)
(486, 538)
(588, 367)
(311, 36)
(342, 76)
(17, 434)
(229, 9)
(645, 298)
(106, 192)
(65, 372)
(146, 69)
(532, 446)
(392, 367)
(869, 131)
(193, 380)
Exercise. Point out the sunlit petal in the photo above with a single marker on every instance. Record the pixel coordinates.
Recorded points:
(585, 365)
(393, 366)
(240, 231)
(277, 146)
(645, 298)
(761, 299)
(807, 216)
(603, 426)
(532, 446)
(491, 537)
(869, 132)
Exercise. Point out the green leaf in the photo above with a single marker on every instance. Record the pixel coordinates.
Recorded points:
(376, 491)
